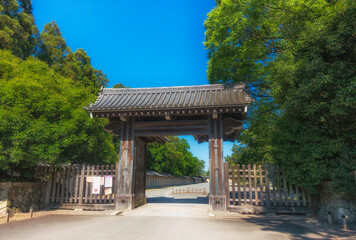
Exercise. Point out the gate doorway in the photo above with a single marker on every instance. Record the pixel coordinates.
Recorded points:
(74, 185)
(196, 193)
(211, 113)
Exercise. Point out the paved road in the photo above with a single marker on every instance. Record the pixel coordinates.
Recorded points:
(164, 217)
(164, 195)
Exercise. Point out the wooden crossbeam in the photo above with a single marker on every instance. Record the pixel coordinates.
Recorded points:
(164, 128)
(171, 124)
(181, 132)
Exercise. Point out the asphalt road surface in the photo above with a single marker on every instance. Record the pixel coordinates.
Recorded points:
(166, 216)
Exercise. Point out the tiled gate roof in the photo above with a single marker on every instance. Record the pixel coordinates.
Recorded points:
(170, 98)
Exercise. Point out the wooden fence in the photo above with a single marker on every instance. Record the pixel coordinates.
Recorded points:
(188, 191)
(262, 186)
(74, 184)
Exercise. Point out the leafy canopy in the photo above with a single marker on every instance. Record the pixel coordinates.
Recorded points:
(41, 102)
(17, 29)
(42, 119)
(298, 58)
(76, 65)
(174, 157)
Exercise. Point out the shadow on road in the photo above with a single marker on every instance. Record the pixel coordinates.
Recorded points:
(300, 228)
(197, 200)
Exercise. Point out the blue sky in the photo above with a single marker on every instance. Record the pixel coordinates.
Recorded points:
(142, 43)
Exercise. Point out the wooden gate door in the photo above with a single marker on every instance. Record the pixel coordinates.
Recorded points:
(261, 188)
(140, 172)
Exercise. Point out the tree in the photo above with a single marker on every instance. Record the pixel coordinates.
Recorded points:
(75, 65)
(118, 85)
(243, 38)
(19, 34)
(255, 144)
(174, 157)
(17, 29)
(315, 137)
(42, 119)
(26, 6)
(53, 47)
(298, 58)
(78, 66)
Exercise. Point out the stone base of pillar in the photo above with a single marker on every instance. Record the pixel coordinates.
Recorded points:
(125, 202)
(217, 203)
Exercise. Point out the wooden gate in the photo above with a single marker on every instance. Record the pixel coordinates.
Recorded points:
(74, 184)
(259, 188)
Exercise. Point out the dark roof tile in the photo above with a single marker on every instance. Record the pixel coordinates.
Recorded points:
(166, 98)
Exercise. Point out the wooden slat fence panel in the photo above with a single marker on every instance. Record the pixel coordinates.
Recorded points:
(233, 185)
(255, 183)
(262, 197)
(249, 183)
(239, 183)
(90, 185)
(268, 185)
(81, 184)
(263, 185)
(279, 186)
(69, 184)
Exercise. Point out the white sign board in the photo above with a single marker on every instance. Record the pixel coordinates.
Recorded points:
(108, 181)
(96, 185)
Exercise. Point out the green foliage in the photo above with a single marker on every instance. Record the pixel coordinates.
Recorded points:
(75, 65)
(242, 39)
(255, 140)
(42, 119)
(17, 29)
(118, 85)
(78, 66)
(299, 60)
(174, 157)
(320, 102)
(53, 47)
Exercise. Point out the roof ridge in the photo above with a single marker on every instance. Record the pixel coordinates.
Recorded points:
(159, 98)
(210, 86)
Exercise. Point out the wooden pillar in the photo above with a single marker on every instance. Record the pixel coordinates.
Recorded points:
(125, 198)
(217, 198)
(140, 172)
